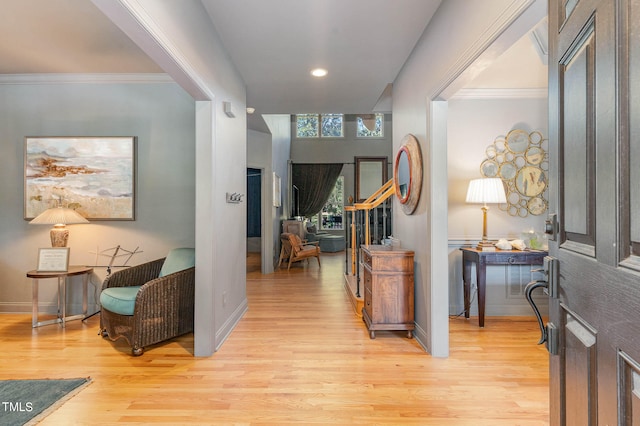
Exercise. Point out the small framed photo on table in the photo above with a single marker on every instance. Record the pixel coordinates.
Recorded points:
(55, 259)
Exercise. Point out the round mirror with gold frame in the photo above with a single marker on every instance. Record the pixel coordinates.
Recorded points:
(407, 174)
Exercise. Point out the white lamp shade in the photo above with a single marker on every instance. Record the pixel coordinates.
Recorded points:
(58, 215)
(486, 191)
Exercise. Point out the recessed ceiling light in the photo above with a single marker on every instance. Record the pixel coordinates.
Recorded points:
(250, 110)
(319, 72)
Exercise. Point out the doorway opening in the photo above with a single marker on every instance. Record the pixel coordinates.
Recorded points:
(477, 124)
(254, 219)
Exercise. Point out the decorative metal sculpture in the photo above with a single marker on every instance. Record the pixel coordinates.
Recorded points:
(520, 159)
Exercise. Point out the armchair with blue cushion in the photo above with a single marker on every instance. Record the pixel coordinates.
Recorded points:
(312, 233)
(151, 302)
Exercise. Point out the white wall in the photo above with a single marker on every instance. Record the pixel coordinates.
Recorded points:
(279, 125)
(474, 125)
(160, 115)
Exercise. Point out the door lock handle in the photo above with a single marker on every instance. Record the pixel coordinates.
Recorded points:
(551, 227)
(527, 292)
(550, 285)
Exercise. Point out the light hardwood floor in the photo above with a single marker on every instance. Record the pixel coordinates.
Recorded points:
(299, 356)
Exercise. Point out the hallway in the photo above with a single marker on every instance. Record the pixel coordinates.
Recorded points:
(299, 356)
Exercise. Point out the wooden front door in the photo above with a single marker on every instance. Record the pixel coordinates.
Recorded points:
(594, 123)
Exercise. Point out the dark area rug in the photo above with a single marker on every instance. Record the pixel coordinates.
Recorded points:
(29, 401)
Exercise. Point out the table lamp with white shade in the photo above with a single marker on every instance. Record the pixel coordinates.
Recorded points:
(486, 191)
(59, 217)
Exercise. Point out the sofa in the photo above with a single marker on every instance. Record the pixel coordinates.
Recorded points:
(312, 233)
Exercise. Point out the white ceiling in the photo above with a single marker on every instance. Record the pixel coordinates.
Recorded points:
(274, 44)
(522, 66)
(65, 36)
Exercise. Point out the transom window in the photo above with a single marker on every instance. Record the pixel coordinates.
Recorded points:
(307, 125)
(370, 126)
(320, 125)
(332, 125)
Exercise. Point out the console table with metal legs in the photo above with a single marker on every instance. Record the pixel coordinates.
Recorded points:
(62, 317)
(482, 259)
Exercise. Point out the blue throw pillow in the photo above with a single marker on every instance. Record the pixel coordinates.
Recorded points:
(178, 260)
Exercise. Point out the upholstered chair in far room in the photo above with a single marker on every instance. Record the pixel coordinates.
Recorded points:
(312, 233)
(151, 302)
(299, 250)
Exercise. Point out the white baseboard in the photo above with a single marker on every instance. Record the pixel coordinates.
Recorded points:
(223, 332)
(45, 308)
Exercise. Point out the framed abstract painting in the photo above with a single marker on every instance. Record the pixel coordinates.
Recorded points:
(92, 175)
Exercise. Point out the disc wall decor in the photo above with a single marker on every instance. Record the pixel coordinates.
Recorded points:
(520, 159)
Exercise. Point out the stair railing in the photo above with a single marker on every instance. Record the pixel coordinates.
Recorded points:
(358, 216)
(377, 198)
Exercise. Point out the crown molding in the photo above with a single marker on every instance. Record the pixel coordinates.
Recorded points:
(537, 93)
(116, 78)
(461, 69)
(540, 39)
(132, 17)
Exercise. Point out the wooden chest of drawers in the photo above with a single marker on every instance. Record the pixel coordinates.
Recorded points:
(388, 289)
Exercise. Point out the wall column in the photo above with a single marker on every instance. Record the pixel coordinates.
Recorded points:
(204, 332)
